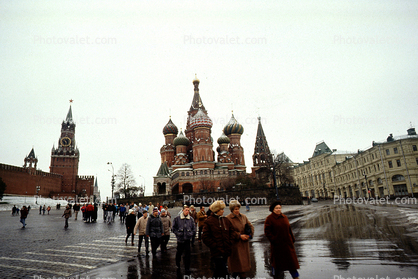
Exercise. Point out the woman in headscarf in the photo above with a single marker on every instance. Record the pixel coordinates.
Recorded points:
(278, 231)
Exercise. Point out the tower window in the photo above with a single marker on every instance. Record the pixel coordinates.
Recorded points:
(387, 152)
(414, 148)
(390, 164)
(398, 163)
(395, 150)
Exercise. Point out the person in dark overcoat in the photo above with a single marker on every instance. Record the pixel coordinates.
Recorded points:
(278, 231)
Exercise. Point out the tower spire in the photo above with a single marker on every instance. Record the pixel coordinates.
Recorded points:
(262, 155)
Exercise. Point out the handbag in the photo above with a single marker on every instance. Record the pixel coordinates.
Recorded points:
(247, 230)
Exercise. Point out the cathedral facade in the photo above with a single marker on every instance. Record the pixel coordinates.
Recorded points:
(188, 162)
(62, 180)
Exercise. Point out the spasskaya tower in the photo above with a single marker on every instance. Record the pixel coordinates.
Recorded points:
(64, 158)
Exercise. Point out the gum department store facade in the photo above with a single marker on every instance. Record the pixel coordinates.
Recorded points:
(388, 168)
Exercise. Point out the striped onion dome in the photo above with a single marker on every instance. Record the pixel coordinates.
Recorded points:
(233, 127)
(223, 139)
(170, 128)
(200, 119)
(181, 140)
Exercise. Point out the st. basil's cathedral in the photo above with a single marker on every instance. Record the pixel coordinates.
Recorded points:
(187, 159)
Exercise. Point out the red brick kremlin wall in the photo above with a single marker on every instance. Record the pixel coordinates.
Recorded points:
(23, 181)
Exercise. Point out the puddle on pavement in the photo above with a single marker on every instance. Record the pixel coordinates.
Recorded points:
(351, 241)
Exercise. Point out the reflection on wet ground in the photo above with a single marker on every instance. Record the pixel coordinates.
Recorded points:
(347, 240)
(332, 241)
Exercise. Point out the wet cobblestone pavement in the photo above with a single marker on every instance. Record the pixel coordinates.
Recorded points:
(332, 241)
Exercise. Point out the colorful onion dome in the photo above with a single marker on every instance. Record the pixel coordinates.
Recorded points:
(181, 140)
(170, 128)
(233, 127)
(200, 119)
(223, 139)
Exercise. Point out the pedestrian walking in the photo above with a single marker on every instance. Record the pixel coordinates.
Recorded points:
(43, 209)
(109, 213)
(167, 228)
(278, 231)
(48, 209)
(23, 215)
(89, 212)
(14, 210)
(154, 230)
(104, 208)
(130, 225)
(40, 209)
(122, 211)
(201, 218)
(184, 228)
(67, 214)
(76, 209)
(239, 262)
(94, 214)
(140, 230)
(217, 235)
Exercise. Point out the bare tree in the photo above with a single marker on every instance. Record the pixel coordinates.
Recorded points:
(207, 185)
(126, 183)
(282, 165)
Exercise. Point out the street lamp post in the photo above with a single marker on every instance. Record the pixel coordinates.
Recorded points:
(113, 178)
(274, 178)
(144, 184)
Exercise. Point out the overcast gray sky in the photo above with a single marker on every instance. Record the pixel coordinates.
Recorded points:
(340, 71)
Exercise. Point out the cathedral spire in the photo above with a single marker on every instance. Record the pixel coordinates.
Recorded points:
(262, 155)
(197, 101)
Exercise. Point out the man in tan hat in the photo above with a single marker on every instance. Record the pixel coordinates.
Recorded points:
(218, 235)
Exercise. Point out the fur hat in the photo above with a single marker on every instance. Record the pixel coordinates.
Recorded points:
(233, 204)
(131, 211)
(217, 205)
(163, 210)
(184, 206)
(274, 204)
(155, 209)
(192, 207)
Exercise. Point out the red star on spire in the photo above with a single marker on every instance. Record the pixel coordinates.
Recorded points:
(71, 100)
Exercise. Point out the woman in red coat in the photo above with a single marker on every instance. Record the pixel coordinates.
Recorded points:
(278, 231)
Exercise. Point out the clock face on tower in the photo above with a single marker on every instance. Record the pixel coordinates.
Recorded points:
(65, 141)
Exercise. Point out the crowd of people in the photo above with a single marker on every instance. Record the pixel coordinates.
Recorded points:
(227, 237)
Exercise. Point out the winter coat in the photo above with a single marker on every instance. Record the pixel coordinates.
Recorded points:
(239, 261)
(201, 218)
(278, 231)
(130, 222)
(89, 208)
(141, 225)
(67, 213)
(166, 224)
(154, 227)
(218, 235)
(24, 213)
(193, 214)
(184, 227)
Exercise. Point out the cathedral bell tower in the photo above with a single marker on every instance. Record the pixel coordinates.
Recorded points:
(65, 158)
